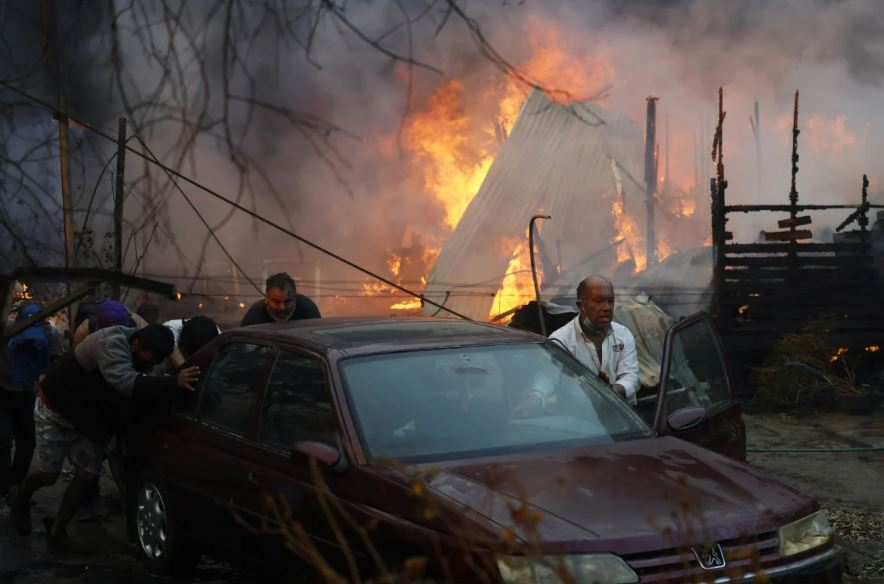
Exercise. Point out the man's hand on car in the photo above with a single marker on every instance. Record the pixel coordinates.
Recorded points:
(188, 376)
(618, 389)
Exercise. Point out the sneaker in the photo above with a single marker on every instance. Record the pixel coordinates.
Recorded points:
(20, 514)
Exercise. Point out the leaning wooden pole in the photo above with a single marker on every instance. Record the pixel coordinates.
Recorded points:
(118, 202)
(651, 177)
(64, 141)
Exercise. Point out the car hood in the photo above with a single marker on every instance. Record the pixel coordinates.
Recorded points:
(624, 497)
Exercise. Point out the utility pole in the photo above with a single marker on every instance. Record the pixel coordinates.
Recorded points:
(51, 30)
(118, 202)
(55, 71)
(651, 177)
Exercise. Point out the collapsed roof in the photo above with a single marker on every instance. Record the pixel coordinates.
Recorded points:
(567, 161)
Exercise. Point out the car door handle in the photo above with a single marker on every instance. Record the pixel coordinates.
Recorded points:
(253, 479)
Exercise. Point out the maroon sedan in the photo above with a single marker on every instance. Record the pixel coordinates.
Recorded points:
(418, 445)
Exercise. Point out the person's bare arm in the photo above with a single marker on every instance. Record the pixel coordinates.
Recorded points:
(176, 358)
(136, 318)
(81, 333)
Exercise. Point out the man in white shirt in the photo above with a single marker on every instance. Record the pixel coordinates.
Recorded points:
(605, 347)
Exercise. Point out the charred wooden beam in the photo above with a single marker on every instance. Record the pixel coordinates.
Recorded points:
(848, 248)
(49, 310)
(793, 193)
(795, 222)
(861, 214)
(718, 186)
(791, 235)
(33, 273)
(753, 208)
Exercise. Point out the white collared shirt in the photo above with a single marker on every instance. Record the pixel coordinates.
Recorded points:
(619, 358)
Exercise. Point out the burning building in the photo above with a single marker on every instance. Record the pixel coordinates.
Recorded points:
(576, 162)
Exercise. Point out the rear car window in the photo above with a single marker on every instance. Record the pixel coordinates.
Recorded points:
(297, 404)
(230, 387)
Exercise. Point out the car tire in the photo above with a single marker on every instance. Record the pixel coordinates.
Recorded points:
(163, 546)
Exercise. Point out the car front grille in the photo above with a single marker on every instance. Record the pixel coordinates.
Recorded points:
(743, 555)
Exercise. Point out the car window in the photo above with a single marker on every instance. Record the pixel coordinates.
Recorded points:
(697, 375)
(229, 390)
(471, 401)
(297, 404)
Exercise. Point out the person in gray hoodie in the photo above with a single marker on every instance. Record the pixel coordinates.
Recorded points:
(78, 410)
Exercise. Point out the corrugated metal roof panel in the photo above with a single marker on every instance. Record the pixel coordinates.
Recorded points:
(557, 161)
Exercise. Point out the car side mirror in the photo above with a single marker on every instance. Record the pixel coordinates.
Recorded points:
(326, 454)
(686, 418)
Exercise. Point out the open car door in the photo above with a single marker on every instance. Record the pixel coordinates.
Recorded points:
(694, 401)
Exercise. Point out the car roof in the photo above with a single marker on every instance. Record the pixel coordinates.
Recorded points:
(362, 335)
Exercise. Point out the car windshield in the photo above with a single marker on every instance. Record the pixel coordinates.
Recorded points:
(446, 404)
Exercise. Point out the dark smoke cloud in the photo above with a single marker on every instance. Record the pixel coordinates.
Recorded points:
(359, 199)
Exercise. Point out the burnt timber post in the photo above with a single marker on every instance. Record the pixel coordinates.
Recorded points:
(118, 203)
(793, 192)
(651, 177)
(718, 185)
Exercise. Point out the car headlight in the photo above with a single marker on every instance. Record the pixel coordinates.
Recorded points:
(584, 569)
(807, 533)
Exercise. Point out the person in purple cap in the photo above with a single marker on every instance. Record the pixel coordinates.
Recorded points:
(108, 313)
(27, 357)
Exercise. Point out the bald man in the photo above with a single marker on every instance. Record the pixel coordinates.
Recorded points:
(605, 347)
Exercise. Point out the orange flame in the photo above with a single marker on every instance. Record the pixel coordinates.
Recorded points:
(373, 288)
(453, 167)
(633, 245)
(394, 262)
(517, 286)
(411, 304)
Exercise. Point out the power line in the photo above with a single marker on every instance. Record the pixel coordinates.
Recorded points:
(234, 204)
(200, 215)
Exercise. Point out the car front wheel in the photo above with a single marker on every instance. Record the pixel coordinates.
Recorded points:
(163, 545)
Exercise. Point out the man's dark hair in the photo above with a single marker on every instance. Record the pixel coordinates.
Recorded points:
(281, 281)
(195, 333)
(157, 339)
(149, 311)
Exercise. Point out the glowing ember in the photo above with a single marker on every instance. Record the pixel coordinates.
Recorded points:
(412, 304)
(517, 286)
(394, 262)
(873, 349)
(178, 296)
(374, 288)
(837, 354)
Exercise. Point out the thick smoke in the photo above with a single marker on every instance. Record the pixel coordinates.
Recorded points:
(347, 182)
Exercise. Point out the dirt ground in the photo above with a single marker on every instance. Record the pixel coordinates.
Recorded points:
(849, 485)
